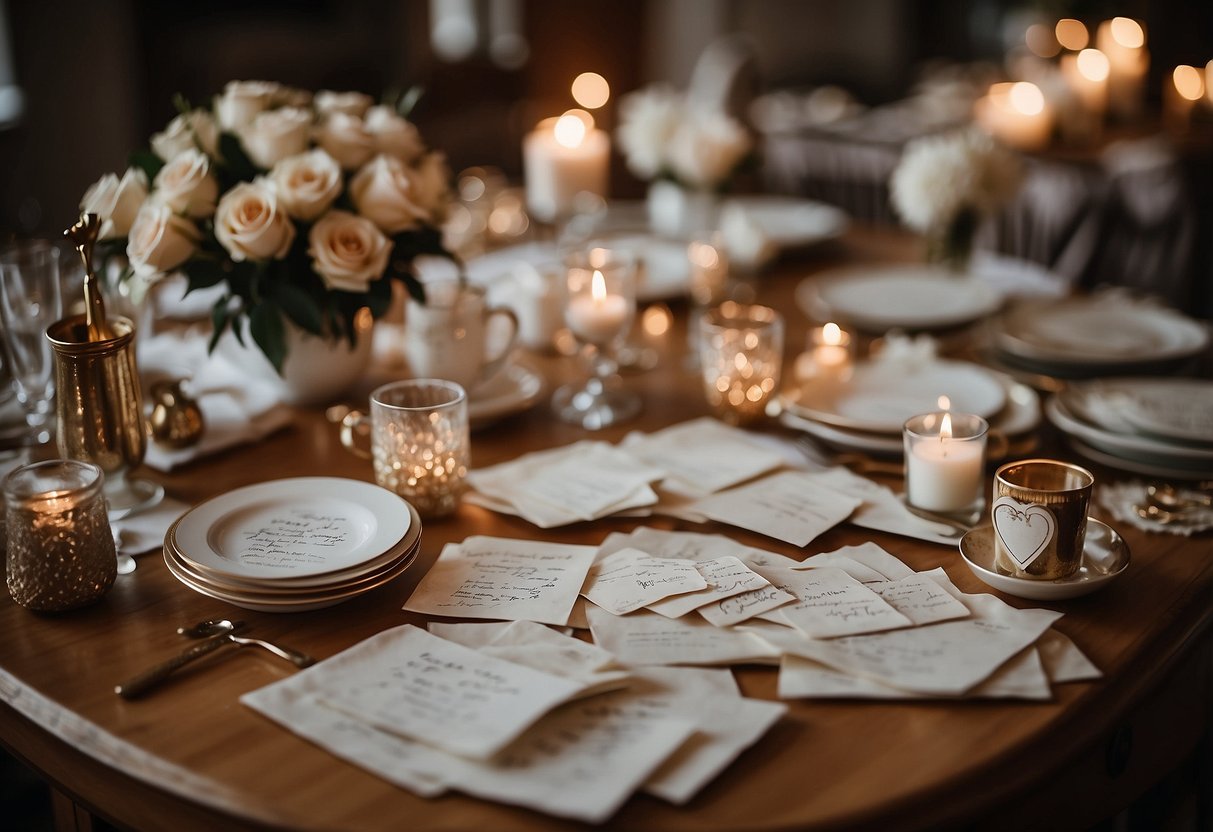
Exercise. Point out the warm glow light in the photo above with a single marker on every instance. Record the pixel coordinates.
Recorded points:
(1027, 98)
(945, 428)
(598, 287)
(1093, 65)
(657, 320)
(704, 255)
(831, 334)
(1209, 80)
(1041, 40)
(1128, 33)
(591, 90)
(1071, 34)
(570, 131)
(944, 403)
(1188, 82)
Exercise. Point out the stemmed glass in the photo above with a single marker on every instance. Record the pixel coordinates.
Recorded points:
(30, 301)
(599, 309)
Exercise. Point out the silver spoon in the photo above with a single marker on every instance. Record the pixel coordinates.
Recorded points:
(225, 628)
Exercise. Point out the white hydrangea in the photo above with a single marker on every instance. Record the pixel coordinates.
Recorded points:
(647, 121)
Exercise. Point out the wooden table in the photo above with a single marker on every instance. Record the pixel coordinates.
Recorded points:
(191, 757)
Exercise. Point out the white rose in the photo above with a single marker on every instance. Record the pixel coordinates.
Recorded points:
(242, 100)
(385, 192)
(160, 240)
(939, 176)
(276, 134)
(286, 96)
(706, 149)
(648, 119)
(432, 187)
(251, 223)
(348, 251)
(195, 129)
(307, 183)
(393, 135)
(185, 184)
(344, 137)
(116, 201)
(328, 102)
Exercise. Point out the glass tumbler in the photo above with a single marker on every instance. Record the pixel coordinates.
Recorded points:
(741, 355)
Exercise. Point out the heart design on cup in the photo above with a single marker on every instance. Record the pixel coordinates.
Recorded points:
(1024, 529)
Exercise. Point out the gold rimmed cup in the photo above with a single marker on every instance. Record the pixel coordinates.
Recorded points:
(1039, 513)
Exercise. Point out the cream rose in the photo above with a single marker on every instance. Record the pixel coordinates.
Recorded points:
(348, 251)
(328, 102)
(276, 134)
(286, 96)
(386, 193)
(160, 240)
(432, 186)
(193, 130)
(116, 201)
(393, 135)
(185, 184)
(706, 148)
(344, 137)
(242, 101)
(250, 222)
(307, 183)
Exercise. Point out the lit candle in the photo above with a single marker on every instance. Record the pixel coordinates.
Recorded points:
(1016, 114)
(829, 352)
(1087, 75)
(709, 271)
(944, 467)
(1123, 40)
(597, 318)
(563, 157)
(1182, 89)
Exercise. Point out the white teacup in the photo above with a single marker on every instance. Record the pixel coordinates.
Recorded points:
(449, 335)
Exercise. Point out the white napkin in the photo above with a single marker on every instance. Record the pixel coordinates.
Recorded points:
(1119, 498)
(144, 531)
(235, 407)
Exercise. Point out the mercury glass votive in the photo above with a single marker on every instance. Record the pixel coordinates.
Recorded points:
(60, 550)
(741, 355)
(419, 442)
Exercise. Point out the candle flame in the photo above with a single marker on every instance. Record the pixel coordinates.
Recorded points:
(1188, 82)
(591, 90)
(598, 287)
(1071, 33)
(1128, 32)
(831, 334)
(1093, 65)
(570, 131)
(944, 403)
(1027, 98)
(945, 428)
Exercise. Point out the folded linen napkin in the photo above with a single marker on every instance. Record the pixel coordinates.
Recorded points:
(144, 531)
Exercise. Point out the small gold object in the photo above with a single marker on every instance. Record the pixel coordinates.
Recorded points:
(1039, 514)
(176, 420)
(83, 235)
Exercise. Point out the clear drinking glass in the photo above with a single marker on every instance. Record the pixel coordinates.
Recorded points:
(599, 309)
(30, 301)
(741, 354)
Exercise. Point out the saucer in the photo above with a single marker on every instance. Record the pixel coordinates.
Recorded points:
(518, 387)
(1105, 555)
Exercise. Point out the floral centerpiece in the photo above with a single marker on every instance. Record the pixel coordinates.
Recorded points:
(946, 184)
(304, 208)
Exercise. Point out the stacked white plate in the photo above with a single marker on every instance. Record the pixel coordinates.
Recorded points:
(295, 544)
(1096, 335)
(1155, 426)
(865, 409)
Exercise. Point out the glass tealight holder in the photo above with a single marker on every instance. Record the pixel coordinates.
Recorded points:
(61, 551)
(945, 456)
(741, 356)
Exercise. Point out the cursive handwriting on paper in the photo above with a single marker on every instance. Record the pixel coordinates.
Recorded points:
(298, 538)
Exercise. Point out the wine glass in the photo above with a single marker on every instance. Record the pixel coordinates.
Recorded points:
(30, 301)
(599, 309)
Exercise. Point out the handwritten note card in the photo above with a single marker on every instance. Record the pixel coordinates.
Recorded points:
(789, 506)
(679, 450)
(443, 694)
(631, 579)
(876, 563)
(726, 577)
(501, 578)
(730, 611)
(646, 638)
(920, 598)
(830, 603)
(294, 538)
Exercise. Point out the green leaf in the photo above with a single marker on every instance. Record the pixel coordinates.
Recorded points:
(201, 273)
(147, 162)
(408, 101)
(300, 307)
(182, 104)
(415, 288)
(235, 161)
(379, 297)
(220, 318)
(269, 333)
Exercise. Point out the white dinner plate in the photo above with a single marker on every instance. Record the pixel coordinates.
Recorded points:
(790, 222)
(1106, 330)
(1131, 447)
(1148, 467)
(518, 387)
(293, 528)
(879, 396)
(1105, 556)
(913, 297)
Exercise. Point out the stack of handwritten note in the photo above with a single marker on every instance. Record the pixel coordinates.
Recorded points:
(518, 714)
(698, 471)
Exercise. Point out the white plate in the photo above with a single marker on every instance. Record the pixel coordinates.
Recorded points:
(879, 396)
(293, 528)
(1105, 556)
(1150, 468)
(516, 388)
(1179, 409)
(1104, 330)
(880, 298)
(790, 222)
(1129, 446)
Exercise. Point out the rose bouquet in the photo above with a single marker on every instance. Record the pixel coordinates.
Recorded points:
(303, 208)
(945, 184)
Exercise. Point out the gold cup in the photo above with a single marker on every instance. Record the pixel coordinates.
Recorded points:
(98, 404)
(1039, 514)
